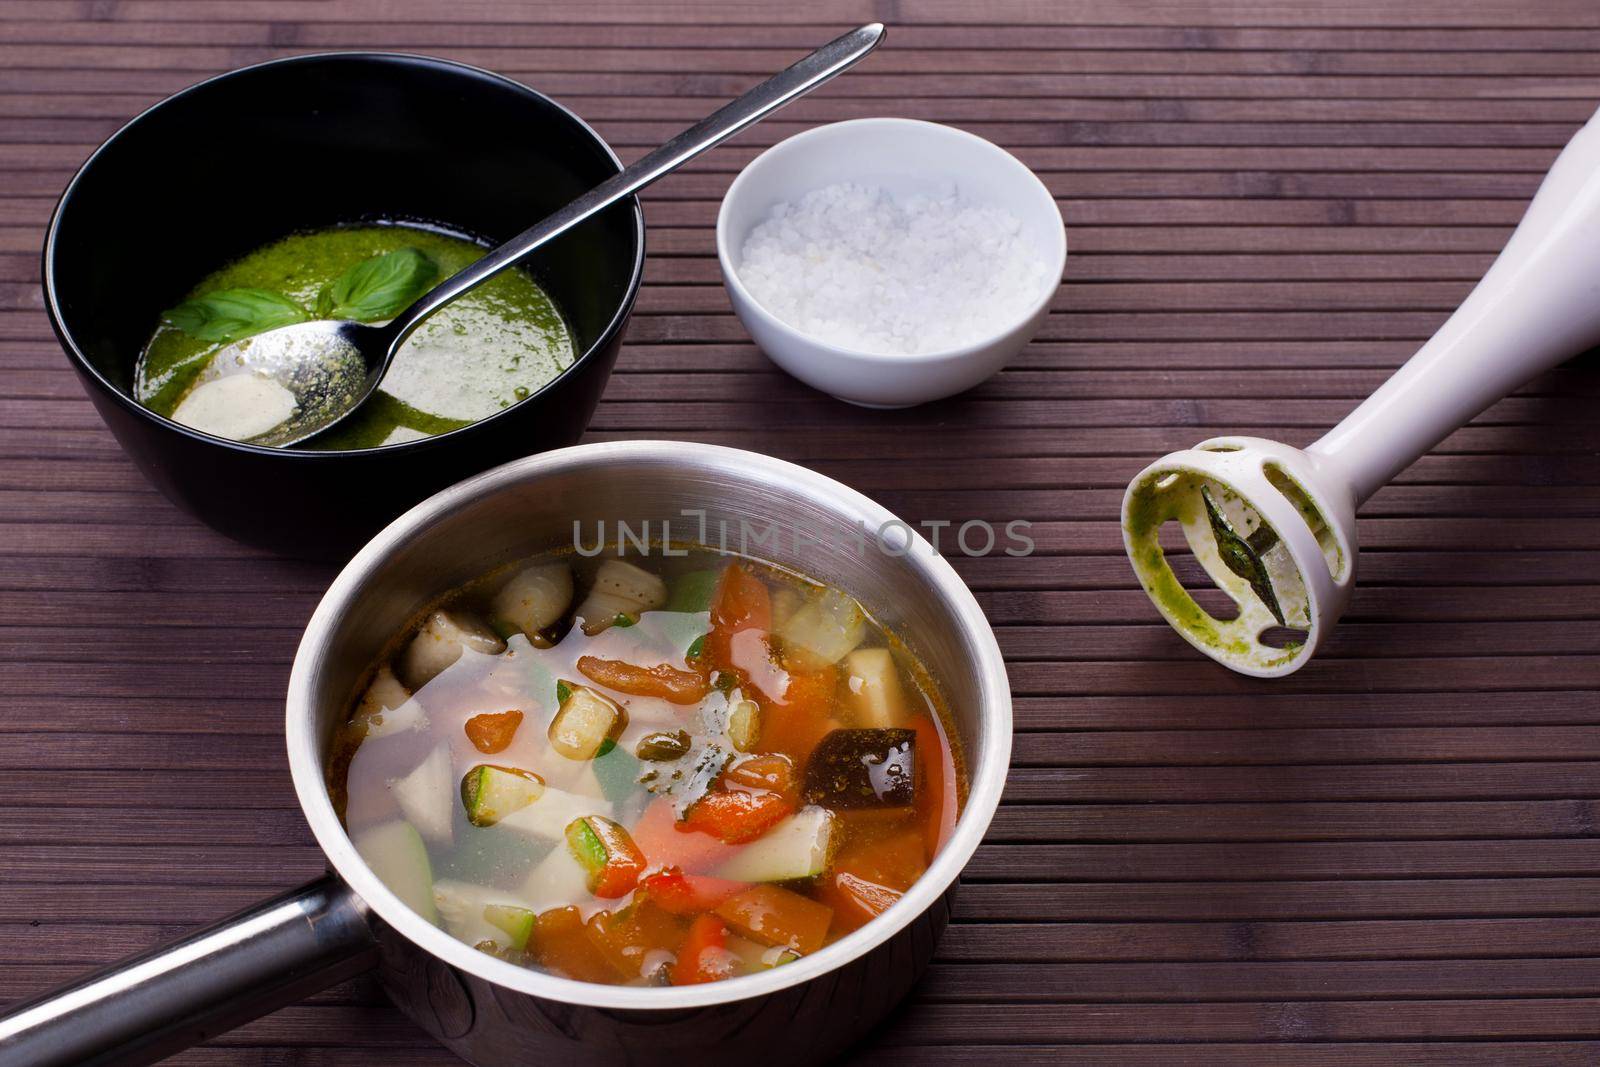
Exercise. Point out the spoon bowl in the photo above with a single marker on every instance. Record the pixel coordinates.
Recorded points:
(284, 385)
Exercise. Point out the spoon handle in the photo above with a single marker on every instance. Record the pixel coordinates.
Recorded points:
(831, 59)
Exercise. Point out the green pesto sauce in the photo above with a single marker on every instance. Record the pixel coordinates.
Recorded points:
(1147, 510)
(484, 352)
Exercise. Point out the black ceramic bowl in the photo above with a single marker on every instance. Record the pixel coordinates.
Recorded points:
(235, 162)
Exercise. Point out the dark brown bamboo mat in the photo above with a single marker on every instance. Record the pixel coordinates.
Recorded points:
(1391, 858)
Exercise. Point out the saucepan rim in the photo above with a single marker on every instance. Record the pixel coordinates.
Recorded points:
(59, 319)
(986, 773)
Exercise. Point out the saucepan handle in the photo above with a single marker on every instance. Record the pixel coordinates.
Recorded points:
(159, 1002)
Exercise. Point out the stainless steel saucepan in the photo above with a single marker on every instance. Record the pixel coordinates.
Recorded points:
(486, 1010)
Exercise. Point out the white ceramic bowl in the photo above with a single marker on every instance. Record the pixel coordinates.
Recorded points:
(906, 157)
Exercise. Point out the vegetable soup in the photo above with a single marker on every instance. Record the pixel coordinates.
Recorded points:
(660, 770)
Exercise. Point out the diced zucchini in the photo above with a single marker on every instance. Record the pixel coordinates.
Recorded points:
(491, 793)
(424, 795)
(535, 597)
(863, 769)
(758, 957)
(620, 589)
(464, 907)
(515, 922)
(547, 817)
(607, 854)
(744, 724)
(872, 690)
(386, 707)
(440, 642)
(587, 848)
(826, 627)
(586, 720)
(800, 846)
(395, 853)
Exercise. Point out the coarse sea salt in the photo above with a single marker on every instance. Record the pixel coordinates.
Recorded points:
(853, 266)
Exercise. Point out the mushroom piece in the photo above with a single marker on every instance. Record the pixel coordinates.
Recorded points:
(387, 708)
(620, 589)
(440, 642)
(534, 598)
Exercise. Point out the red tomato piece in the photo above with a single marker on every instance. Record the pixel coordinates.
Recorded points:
(561, 944)
(936, 777)
(736, 817)
(670, 683)
(798, 721)
(704, 956)
(609, 855)
(688, 894)
(869, 876)
(492, 731)
(740, 603)
(764, 773)
(774, 915)
(629, 940)
(664, 844)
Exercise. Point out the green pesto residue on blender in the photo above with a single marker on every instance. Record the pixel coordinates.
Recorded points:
(482, 353)
(1177, 495)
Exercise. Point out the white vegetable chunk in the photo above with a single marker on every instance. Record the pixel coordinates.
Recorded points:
(872, 690)
(744, 724)
(557, 881)
(386, 707)
(535, 597)
(826, 627)
(440, 643)
(461, 904)
(785, 602)
(396, 854)
(620, 589)
(547, 818)
(801, 846)
(427, 796)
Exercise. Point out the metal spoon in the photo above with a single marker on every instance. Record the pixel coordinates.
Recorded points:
(333, 367)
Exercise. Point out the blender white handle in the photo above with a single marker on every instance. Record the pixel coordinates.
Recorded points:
(1538, 305)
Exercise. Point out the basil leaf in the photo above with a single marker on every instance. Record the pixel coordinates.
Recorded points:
(378, 288)
(1242, 555)
(233, 314)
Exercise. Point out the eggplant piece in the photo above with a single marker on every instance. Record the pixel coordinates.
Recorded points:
(863, 768)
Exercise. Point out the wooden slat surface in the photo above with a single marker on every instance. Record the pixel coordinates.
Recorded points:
(1392, 857)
